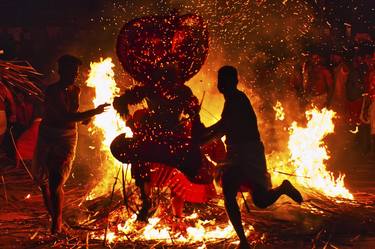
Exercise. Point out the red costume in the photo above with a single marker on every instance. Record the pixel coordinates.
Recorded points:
(163, 52)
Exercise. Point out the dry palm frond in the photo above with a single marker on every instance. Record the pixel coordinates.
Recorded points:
(19, 75)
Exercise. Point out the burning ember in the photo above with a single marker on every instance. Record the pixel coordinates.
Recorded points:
(158, 229)
(279, 111)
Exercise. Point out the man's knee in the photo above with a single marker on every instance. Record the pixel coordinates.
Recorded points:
(260, 199)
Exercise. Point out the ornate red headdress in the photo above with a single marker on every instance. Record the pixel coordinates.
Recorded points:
(150, 47)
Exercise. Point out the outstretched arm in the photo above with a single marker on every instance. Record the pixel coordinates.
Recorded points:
(64, 113)
(87, 115)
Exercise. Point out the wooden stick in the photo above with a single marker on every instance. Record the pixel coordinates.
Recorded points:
(113, 191)
(245, 202)
(289, 174)
(5, 189)
(87, 240)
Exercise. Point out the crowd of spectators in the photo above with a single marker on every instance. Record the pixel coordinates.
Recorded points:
(342, 79)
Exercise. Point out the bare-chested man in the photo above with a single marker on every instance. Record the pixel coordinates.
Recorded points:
(319, 89)
(57, 138)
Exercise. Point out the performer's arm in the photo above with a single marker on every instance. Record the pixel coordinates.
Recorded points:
(130, 97)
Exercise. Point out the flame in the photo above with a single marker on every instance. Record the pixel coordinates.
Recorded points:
(202, 231)
(308, 154)
(109, 123)
(279, 111)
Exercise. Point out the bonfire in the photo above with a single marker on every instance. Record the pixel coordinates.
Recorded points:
(204, 225)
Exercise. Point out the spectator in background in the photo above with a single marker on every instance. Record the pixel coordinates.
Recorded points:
(369, 101)
(340, 73)
(355, 88)
(319, 86)
(299, 79)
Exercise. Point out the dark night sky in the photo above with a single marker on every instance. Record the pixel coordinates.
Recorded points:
(38, 12)
(360, 13)
(89, 27)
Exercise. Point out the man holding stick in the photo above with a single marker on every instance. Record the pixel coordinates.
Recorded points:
(245, 160)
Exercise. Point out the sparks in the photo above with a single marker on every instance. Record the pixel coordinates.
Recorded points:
(279, 111)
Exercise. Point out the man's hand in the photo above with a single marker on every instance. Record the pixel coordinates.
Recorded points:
(101, 108)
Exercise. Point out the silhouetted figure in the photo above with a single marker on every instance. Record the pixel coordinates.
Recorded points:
(57, 138)
(245, 162)
(355, 88)
(340, 75)
(159, 131)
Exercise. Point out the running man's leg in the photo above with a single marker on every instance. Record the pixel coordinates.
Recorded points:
(263, 197)
(231, 184)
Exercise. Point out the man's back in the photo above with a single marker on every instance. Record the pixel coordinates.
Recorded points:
(239, 119)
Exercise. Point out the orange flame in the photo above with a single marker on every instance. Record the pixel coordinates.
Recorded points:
(109, 123)
(308, 153)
